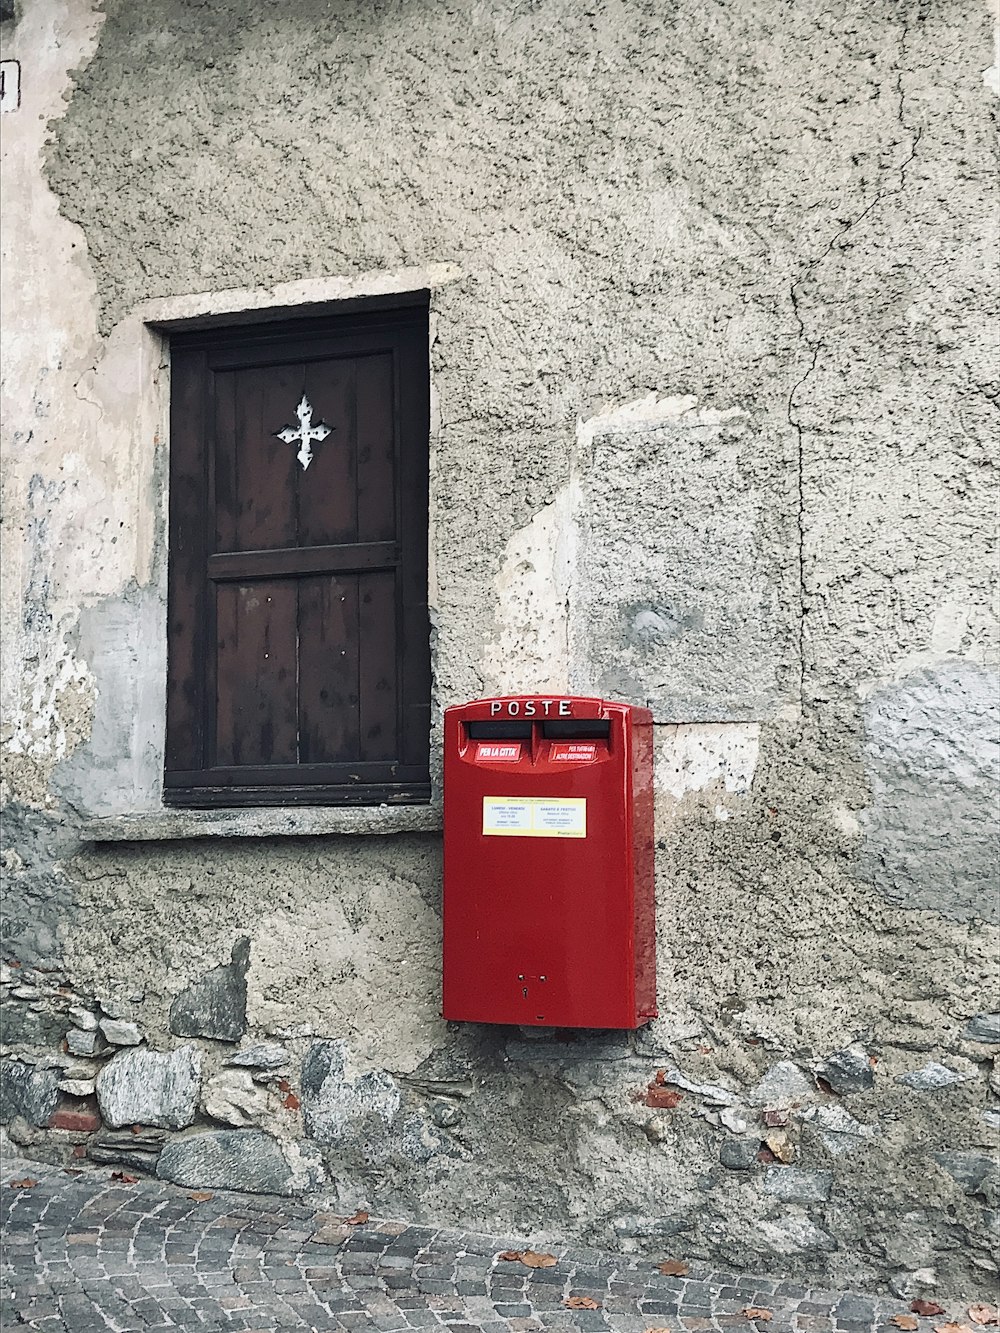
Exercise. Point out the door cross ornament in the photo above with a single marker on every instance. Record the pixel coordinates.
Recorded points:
(306, 432)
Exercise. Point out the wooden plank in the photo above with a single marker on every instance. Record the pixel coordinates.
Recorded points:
(266, 482)
(288, 561)
(329, 693)
(327, 490)
(379, 667)
(376, 448)
(256, 713)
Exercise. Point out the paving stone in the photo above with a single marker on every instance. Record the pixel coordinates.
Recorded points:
(108, 1257)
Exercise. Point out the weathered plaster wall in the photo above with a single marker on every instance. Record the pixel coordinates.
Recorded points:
(714, 403)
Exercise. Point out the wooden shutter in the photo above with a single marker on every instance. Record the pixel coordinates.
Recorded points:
(298, 639)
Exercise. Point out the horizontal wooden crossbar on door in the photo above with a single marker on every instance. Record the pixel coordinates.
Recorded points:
(286, 562)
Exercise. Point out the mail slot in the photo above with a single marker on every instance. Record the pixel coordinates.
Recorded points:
(549, 912)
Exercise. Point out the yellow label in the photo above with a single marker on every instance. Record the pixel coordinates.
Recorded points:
(534, 817)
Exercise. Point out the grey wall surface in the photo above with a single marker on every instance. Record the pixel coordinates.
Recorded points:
(715, 393)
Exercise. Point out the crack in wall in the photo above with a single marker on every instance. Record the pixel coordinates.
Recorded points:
(816, 346)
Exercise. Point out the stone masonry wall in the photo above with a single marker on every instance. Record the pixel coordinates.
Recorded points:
(715, 398)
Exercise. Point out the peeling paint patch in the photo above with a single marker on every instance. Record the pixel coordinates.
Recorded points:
(932, 752)
(697, 756)
(530, 650)
(682, 597)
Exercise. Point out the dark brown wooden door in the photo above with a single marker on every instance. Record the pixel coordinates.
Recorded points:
(299, 663)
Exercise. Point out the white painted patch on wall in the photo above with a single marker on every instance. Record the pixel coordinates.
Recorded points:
(694, 756)
(653, 411)
(530, 650)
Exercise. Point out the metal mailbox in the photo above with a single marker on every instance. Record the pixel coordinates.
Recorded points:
(549, 913)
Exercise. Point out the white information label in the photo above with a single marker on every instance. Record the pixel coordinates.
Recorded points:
(534, 817)
(10, 85)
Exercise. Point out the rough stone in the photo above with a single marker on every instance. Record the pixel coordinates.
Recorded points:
(637, 1226)
(238, 1159)
(838, 1129)
(782, 1085)
(261, 1055)
(711, 1092)
(28, 1092)
(933, 1077)
(77, 1087)
(120, 1033)
(739, 1154)
(984, 1028)
(848, 1070)
(791, 1235)
(338, 1102)
(140, 1086)
(793, 1184)
(137, 1152)
(233, 1098)
(918, 1282)
(27, 1027)
(215, 1005)
(975, 1172)
(85, 1043)
(85, 1019)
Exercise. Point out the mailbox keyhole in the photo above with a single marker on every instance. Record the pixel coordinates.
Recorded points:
(524, 991)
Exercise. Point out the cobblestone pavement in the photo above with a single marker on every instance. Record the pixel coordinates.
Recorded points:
(85, 1252)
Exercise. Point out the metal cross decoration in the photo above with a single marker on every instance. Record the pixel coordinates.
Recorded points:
(306, 432)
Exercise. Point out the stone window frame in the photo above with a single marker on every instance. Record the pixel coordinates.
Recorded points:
(146, 334)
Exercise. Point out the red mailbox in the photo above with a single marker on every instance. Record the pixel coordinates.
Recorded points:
(549, 914)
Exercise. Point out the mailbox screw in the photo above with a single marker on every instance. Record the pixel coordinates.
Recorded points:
(520, 976)
(542, 978)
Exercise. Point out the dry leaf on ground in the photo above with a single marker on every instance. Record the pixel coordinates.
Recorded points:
(72, 1171)
(984, 1314)
(291, 1102)
(359, 1218)
(201, 1196)
(952, 1328)
(905, 1321)
(752, 1312)
(581, 1303)
(510, 1256)
(536, 1259)
(657, 1330)
(920, 1306)
(673, 1268)
(26, 1184)
(124, 1179)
